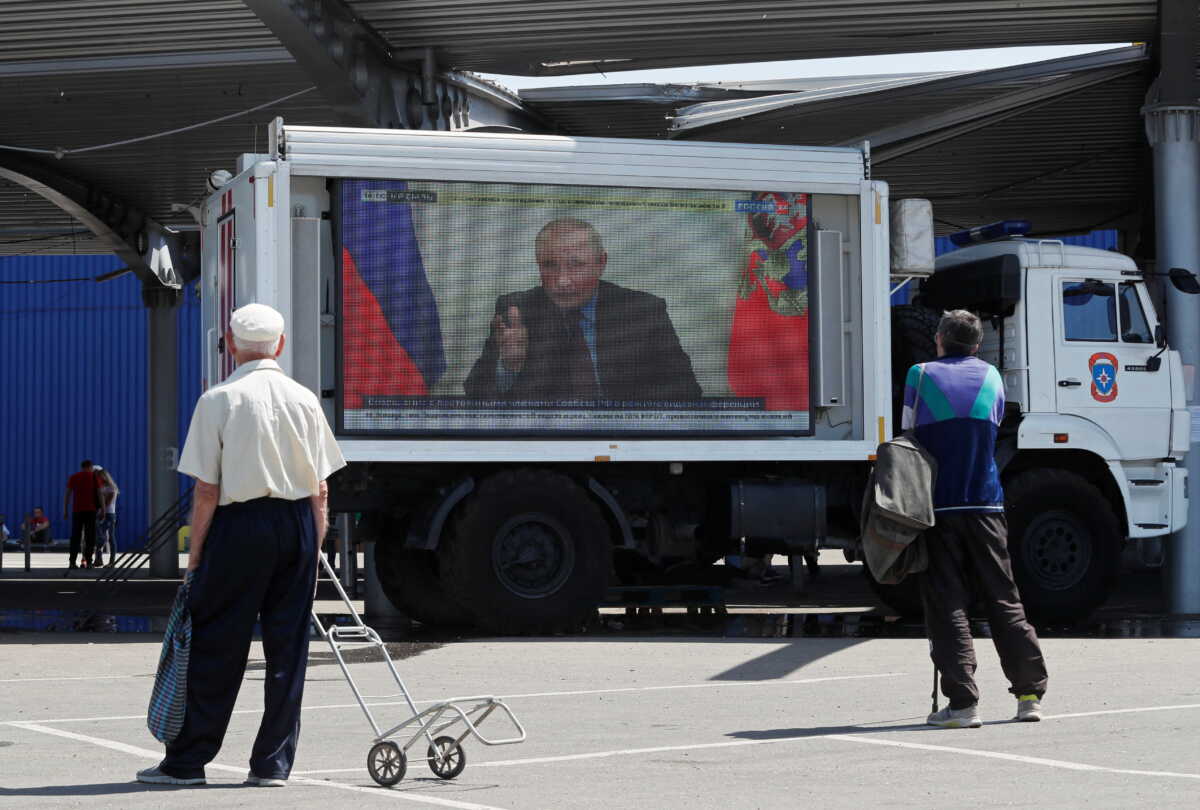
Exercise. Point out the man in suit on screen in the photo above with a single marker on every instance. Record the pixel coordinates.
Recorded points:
(576, 337)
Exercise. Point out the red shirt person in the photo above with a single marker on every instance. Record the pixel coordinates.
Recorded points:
(82, 488)
(38, 526)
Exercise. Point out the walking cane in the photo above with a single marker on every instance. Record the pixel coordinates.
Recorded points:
(933, 694)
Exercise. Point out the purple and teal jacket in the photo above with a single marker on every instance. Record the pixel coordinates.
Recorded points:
(956, 416)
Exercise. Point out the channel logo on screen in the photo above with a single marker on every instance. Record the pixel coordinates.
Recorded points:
(375, 195)
(755, 206)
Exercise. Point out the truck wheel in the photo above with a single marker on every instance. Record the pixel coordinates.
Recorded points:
(1064, 542)
(410, 580)
(529, 552)
(913, 331)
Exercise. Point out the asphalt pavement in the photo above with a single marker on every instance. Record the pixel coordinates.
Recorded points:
(785, 702)
(634, 722)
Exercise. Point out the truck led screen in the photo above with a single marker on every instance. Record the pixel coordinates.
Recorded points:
(500, 308)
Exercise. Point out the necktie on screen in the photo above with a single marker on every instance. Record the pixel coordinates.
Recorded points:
(580, 373)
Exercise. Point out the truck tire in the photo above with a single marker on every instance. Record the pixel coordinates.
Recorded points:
(1065, 544)
(529, 552)
(410, 579)
(913, 341)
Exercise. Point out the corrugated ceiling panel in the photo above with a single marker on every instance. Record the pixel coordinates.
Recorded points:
(519, 37)
(80, 110)
(64, 29)
(1078, 165)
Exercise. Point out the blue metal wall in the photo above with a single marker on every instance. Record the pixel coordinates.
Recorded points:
(74, 385)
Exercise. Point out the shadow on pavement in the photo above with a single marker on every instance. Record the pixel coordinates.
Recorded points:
(862, 728)
(108, 789)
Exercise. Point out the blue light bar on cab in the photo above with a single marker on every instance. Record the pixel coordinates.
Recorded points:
(992, 232)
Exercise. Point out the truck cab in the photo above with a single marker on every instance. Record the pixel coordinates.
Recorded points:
(1096, 423)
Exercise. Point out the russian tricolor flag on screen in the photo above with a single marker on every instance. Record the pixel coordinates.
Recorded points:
(391, 332)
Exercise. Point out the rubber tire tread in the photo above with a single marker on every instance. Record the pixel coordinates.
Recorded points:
(1060, 489)
(914, 330)
(466, 554)
(411, 582)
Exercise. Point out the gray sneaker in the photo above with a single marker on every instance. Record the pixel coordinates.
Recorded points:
(955, 718)
(263, 781)
(1029, 708)
(154, 776)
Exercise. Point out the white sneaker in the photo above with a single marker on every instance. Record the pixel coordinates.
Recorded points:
(955, 718)
(1029, 708)
(154, 776)
(263, 781)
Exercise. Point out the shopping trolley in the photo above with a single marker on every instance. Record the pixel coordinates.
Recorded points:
(387, 761)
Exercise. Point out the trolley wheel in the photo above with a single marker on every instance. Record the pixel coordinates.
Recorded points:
(454, 759)
(386, 763)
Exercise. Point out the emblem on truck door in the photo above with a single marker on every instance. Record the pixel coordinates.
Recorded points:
(1104, 376)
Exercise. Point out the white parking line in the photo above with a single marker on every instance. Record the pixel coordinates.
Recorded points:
(1121, 711)
(146, 753)
(972, 752)
(571, 693)
(73, 678)
(849, 738)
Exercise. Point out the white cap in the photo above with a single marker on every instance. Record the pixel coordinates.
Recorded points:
(256, 323)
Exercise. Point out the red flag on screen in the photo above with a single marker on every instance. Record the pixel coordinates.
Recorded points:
(768, 345)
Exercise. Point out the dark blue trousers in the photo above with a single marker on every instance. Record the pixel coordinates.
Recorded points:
(258, 562)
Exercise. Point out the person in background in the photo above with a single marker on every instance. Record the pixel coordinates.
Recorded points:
(106, 527)
(260, 450)
(81, 502)
(4, 533)
(954, 405)
(38, 526)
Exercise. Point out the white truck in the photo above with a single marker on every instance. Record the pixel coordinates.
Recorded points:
(555, 363)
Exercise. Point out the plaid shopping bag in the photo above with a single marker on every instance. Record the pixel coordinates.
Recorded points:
(168, 700)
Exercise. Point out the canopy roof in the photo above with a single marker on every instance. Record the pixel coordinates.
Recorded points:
(77, 73)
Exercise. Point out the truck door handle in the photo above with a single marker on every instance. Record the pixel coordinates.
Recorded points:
(1070, 382)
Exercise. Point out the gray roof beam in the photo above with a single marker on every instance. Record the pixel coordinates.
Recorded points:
(365, 80)
(161, 258)
(694, 119)
(927, 131)
(154, 61)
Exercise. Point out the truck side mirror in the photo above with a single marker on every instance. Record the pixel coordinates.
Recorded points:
(1184, 280)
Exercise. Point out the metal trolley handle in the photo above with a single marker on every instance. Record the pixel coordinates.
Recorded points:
(428, 722)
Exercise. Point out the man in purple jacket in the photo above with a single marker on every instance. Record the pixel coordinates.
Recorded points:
(955, 405)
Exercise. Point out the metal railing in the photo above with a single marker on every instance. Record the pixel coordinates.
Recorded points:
(163, 530)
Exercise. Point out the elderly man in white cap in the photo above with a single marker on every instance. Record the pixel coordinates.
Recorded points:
(260, 450)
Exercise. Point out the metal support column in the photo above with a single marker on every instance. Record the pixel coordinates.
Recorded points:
(1173, 129)
(162, 304)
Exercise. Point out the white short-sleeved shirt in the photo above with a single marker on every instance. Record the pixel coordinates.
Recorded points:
(260, 434)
